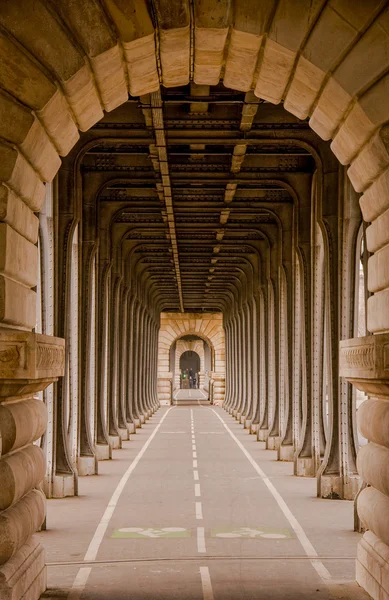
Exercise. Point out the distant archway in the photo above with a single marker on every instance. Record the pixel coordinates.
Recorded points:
(189, 369)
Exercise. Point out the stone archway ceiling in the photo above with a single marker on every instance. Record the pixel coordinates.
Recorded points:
(198, 185)
(65, 63)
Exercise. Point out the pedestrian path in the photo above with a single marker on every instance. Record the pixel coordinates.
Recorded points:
(195, 508)
(193, 394)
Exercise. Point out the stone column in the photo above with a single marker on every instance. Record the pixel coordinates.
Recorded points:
(29, 364)
(365, 363)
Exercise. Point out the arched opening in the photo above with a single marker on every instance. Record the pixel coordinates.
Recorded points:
(198, 197)
(189, 370)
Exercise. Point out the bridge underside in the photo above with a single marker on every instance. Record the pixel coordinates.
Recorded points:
(193, 176)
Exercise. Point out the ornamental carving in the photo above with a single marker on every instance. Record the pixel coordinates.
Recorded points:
(358, 357)
(50, 357)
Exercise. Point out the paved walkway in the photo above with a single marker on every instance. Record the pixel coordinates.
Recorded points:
(194, 508)
(193, 394)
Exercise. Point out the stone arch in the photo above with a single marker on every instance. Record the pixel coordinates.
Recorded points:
(285, 54)
(60, 72)
(207, 326)
(183, 346)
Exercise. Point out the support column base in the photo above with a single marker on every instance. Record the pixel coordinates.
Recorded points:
(254, 428)
(262, 435)
(24, 575)
(372, 566)
(242, 419)
(286, 453)
(123, 434)
(305, 466)
(64, 486)
(247, 424)
(138, 424)
(234, 412)
(115, 442)
(334, 487)
(103, 452)
(273, 442)
(142, 419)
(131, 427)
(87, 465)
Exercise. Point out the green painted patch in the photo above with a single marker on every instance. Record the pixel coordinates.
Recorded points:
(144, 533)
(267, 533)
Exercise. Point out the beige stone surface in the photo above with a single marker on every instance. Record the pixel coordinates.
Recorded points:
(305, 86)
(108, 69)
(330, 108)
(20, 472)
(18, 256)
(19, 175)
(21, 423)
(373, 507)
(209, 54)
(378, 312)
(275, 70)
(141, 65)
(241, 61)
(24, 575)
(18, 215)
(59, 123)
(377, 234)
(17, 304)
(19, 522)
(175, 51)
(83, 99)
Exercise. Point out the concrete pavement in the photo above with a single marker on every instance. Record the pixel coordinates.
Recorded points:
(195, 508)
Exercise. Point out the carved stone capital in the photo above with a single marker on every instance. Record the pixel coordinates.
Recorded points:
(365, 363)
(29, 362)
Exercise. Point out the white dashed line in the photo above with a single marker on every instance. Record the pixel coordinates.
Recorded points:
(194, 454)
(195, 464)
(196, 475)
(206, 583)
(201, 539)
(197, 490)
(199, 510)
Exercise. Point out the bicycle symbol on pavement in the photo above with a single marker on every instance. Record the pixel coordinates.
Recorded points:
(250, 533)
(151, 532)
